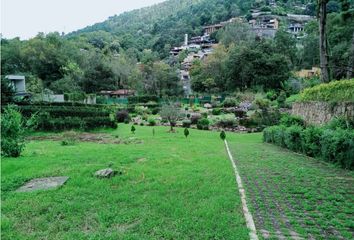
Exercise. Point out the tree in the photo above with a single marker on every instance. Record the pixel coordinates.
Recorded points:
(322, 5)
(186, 132)
(7, 92)
(132, 129)
(223, 135)
(171, 113)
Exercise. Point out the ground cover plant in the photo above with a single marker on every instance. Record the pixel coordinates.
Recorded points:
(171, 187)
(291, 195)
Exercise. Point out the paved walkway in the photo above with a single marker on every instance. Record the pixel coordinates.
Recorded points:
(292, 196)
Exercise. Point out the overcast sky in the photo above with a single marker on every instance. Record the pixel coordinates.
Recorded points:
(25, 18)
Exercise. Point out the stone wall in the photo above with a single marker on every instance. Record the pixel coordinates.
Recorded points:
(322, 112)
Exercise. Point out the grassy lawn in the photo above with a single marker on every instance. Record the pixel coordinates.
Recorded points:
(291, 195)
(172, 188)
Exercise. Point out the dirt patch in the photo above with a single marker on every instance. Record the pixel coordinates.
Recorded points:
(100, 138)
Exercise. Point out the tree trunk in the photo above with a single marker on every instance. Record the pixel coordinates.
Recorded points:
(350, 71)
(323, 41)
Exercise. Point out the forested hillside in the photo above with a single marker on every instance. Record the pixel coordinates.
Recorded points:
(132, 50)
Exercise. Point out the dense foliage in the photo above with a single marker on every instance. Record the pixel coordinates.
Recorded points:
(12, 132)
(334, 91)
(333, 143)
(65, 117)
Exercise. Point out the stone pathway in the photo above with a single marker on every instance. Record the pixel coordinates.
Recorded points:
(43, 184)
(295, 197)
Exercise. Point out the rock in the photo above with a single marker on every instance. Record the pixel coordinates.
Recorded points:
(43, 184)
(105, 173)
(208, 105)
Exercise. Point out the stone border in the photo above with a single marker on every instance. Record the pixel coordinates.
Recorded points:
(248, 216)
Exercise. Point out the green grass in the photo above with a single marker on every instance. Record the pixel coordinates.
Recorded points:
(291, 192)
(172, 188)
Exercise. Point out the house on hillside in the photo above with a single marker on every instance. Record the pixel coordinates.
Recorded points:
(121, 93)
(308, 73)
(18, 82)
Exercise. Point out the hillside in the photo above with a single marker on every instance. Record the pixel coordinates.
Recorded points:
(163, 25)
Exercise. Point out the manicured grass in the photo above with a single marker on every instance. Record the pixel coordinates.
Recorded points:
(292, 195)
(172, 188)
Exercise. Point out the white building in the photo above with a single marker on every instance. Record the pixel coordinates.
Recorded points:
(18, 82)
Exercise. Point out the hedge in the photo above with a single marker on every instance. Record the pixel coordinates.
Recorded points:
(332, 145)
(69, 116)
(68, 123)
(336, 91)
(142, 99)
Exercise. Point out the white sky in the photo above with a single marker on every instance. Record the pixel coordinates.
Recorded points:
(25, 18)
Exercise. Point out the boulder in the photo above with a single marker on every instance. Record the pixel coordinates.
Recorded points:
(105, 173)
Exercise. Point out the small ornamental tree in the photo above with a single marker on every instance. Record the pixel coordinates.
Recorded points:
(171, 113)
(132, 129)
(223, 135)
(186, 132)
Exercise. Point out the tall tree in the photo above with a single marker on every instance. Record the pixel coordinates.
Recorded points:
(322, 6)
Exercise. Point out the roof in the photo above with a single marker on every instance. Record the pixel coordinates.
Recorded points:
(119, 92)
(15, 77)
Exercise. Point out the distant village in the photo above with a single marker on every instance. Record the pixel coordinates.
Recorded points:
(263, 24)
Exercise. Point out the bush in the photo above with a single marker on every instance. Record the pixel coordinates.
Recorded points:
(195, 119)
(186, 123)
(230, 102)
(310, 141)
(240, 113)
(341, 122)
(12, 132)
(152, 122)
(142, 99)
(216, 111)
(342, 90)
(281, 99)
(289, 120)
(122, 116)
(203, 124)
(226, 123)
(155, 110)
(336, 146)
(292, 138)
(271, 95)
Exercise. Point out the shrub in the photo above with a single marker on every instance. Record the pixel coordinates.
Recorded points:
(186, 123)
(342, 90)
(338, 147)
(341, 122)
(188, 115)
(230, 102)
(155, 110)
(223, 135)
(271, 95)
(216, 111)
(204, 114)
(289, 120)
(132, 129)
(279, 136)
(186, 132)
(240, 113)
(292, 138)
(152, 122)
(310, 141)
(12, 132)
(226, 123)
(122, 116)
(195, 118)
(281, 99)
(143, 99)
(203, 124)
